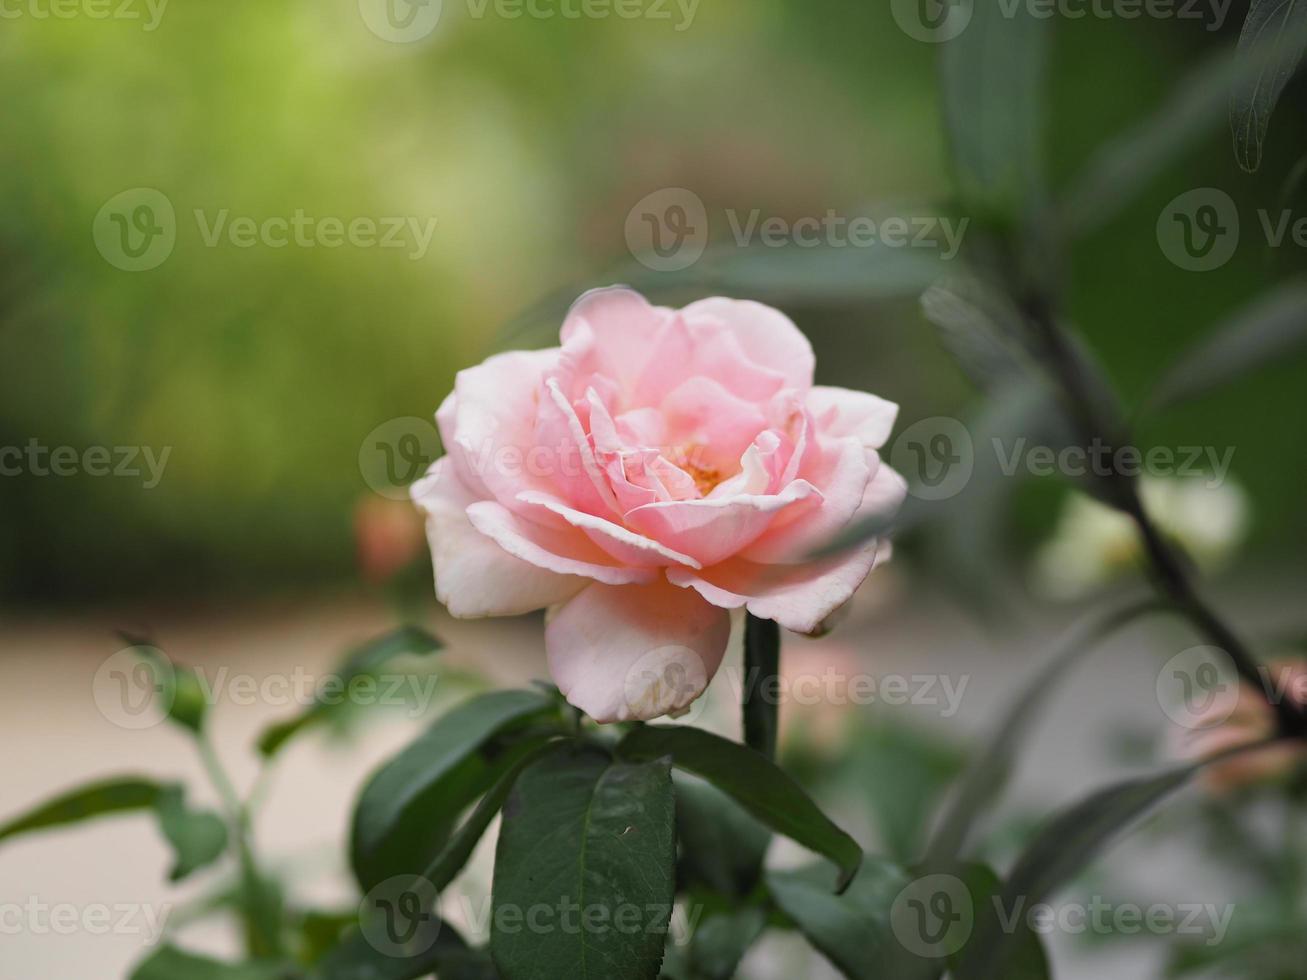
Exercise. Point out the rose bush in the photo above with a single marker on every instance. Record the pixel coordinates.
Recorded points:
(658, 469)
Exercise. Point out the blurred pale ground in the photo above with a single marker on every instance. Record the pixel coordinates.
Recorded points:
(58, 738)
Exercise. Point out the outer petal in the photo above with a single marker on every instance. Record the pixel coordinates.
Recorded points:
(799, 597)
(768, 336)
(474, 576)
(843, 412)
(488, 424)
(566, 551)
(611, 332)
(635, 651)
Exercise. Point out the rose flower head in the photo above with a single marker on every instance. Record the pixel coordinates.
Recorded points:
(657, 470)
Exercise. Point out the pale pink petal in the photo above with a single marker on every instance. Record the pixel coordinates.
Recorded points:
(710, 426)
(711, 529)
(843, 469)
(474, 575)
(885, 493)
(563, 457)
(769, 338)
(635, 652)
(799, 597)
(489, 424)
(760, 469)
(610, 332)
(718, 354)
(843, 412)
(622, 544)
(565, 550)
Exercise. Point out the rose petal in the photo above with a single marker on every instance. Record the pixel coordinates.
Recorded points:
(474, 575)
(843, 412)
(799, 597)
(843, 470)
(769, 338)
(488, 424)
(565, 550)
(635, 651)
(563, 455)
(611, 332)
(710, 529)
(622, 544)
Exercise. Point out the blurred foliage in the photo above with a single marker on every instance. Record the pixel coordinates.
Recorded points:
(529, 141)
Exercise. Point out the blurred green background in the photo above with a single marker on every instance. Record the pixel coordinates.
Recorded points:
(528, 141)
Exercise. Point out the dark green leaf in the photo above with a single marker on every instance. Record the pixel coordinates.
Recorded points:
(1027, 961)
(722, 847)
(1065, 845)
(583, 883)
(364, 661)
(408, 808)
(198, 837)
(903, 773)
(320, 932)
(721, 941)
(990, 770)
(1279, 29)
(95, 800)
(753, 781)
(171, 963)
(1272, 327)
(762, 664)
(993, 78)
(450, 861)
(852, 930)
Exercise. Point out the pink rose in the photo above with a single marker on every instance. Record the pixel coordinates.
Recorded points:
(657, 470)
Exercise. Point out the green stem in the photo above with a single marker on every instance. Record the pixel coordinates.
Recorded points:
(1170, 574)
(258, 907)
